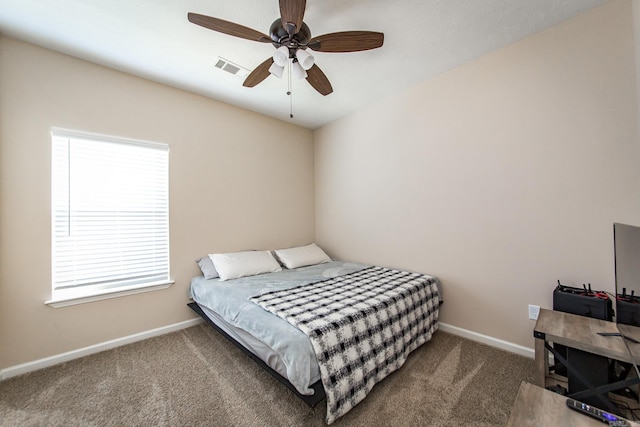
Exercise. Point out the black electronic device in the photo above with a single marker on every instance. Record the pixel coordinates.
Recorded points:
(628, 311)
(598, 370)
(626, 244)
(596, 413)
(583, 301)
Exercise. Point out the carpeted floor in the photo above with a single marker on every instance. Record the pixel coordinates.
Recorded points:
(194, 377)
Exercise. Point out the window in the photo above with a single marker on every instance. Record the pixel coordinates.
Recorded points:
(110, 216)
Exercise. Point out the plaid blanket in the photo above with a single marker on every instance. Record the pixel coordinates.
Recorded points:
(362, 326)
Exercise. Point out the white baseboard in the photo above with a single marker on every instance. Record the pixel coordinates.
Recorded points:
(76, 354)
(485, 339)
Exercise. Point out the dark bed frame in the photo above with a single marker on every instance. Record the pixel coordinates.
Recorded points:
(312, 400)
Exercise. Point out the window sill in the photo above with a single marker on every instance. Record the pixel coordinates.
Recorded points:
(112, 293)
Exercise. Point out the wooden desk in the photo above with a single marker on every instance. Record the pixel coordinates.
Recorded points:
(578, 332)
(537, 407)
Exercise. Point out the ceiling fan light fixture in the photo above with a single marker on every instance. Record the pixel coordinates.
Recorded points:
(299, 73)
(281, 56)
(276, 69)
(305, 59)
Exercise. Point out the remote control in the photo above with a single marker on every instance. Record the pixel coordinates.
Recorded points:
(596, 413)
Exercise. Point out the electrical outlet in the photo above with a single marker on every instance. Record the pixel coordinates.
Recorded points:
(534, 311)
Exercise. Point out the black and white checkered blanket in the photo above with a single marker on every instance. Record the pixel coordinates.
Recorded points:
(362, 326)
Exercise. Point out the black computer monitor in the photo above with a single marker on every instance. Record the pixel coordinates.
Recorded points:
(627, 278)
(626, 240)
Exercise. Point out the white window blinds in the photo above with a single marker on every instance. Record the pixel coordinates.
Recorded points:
(110, 213)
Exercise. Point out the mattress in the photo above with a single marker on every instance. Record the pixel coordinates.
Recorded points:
(248, 341)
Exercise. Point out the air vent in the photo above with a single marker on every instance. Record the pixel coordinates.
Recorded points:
(232, 68)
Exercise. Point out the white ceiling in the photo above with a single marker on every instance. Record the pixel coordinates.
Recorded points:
(154, 40)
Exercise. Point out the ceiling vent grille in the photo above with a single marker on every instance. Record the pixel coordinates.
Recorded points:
(231, 67)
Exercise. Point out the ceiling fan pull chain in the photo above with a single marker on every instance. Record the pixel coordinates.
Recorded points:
(289, 93)
(291, 106)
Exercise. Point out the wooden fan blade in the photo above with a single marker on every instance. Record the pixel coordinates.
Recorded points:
(318, 80)
(260, 73)
(291, 14)
(347, 41)
(227, 27)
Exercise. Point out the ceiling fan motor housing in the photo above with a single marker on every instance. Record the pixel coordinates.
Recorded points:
(280, 37)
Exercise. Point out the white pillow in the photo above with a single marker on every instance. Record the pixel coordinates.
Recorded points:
(240, 264)
(302, 256)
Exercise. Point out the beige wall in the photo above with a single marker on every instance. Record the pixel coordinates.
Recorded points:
(238, 180)
(500, 177)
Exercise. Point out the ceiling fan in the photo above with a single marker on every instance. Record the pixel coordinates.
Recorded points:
(291, 37)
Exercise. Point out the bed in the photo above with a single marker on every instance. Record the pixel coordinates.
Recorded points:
(293, 322)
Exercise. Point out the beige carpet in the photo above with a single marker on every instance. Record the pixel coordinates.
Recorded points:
(194, 377)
